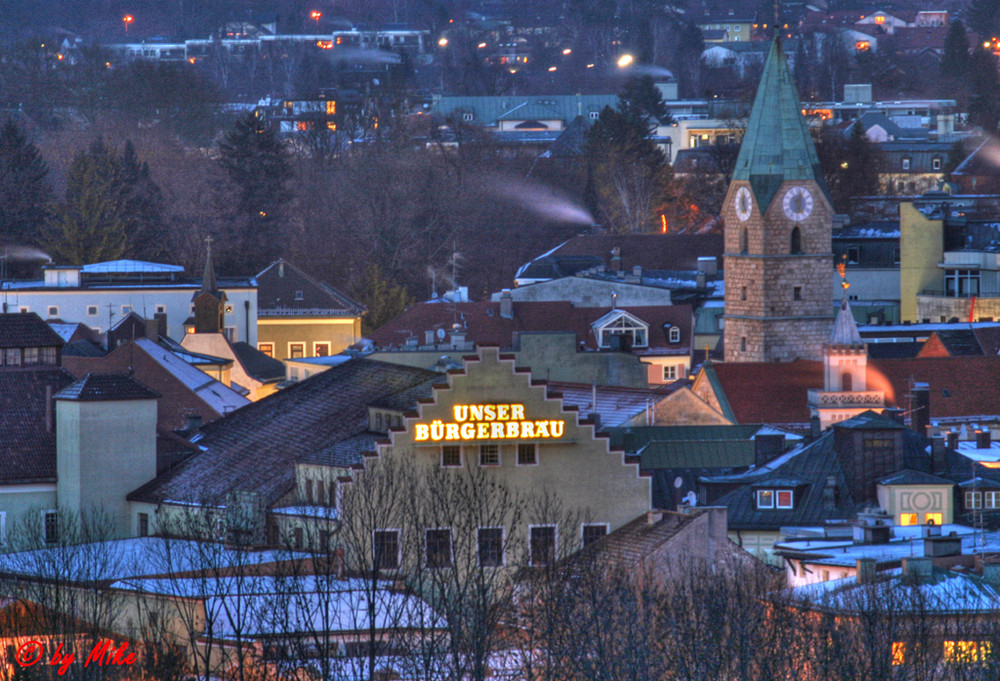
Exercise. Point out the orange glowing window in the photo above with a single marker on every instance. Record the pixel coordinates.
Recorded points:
(879, 20)
(302, 126)
(331, 108)
(909, 519)
(898, 652)
(861, 46)
(966, 652)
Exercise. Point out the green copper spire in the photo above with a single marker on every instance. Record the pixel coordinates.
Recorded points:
(777, 146)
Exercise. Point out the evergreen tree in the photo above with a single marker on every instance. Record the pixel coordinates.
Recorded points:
(24, 188)
(984, 16)
(641, 99)
(143, 204)
(92, 224)
(955, 60)
(984, 103)
(384, 299)
(258, 165)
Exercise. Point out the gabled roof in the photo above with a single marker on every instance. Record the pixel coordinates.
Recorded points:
(105, 388)
(255, 448)
(26, 329)
(777, 146)
(482, 324)
(27, 444)
(282, 286)
(257, 364)
(785, 384)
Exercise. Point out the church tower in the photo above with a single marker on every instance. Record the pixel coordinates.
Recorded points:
(210, 302)
(778, 224)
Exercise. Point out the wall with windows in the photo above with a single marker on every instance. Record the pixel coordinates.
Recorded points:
(491, 417)
(288, 337)
(918, 504)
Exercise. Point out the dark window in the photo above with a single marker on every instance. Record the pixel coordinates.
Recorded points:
(543, 545)
(490, 547)
(743, 293)
(592, 533)
(385, 549)
(51, 527)
(331, 494)
(743, 343)
(846, 382)
(796, 240)
(743, 240)
(143, 524)
(527, 454)
(297, 538)
(438, 548)
(30, 356)
(299, 296)
(296, 350)
(853, 254)
(451, 456)
(489, 455)
(48, 356)
(797, 293)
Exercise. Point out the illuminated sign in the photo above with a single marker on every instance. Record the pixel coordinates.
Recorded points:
(488, 422)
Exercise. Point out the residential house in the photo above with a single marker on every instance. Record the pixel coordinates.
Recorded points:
(298, 316)
(728, 28)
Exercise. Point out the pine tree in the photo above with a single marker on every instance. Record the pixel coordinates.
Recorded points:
(257, 163)
(24, 188)
(984, 103)
(384, 299)
(144, 205)
(955, 59)
(92, 224)
(984, 16)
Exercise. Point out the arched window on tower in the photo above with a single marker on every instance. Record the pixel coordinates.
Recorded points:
(796, 240)
(743, 240)
(846, 382)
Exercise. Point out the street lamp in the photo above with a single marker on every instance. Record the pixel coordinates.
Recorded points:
(625, 61)
(128, 19)
(315, 15)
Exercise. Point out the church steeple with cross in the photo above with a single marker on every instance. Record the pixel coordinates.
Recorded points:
(209, 302)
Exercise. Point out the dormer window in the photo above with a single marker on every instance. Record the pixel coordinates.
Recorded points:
(620, 323)
(771, 498)
(675, 334)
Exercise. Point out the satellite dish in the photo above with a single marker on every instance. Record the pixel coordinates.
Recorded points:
(440, 334)
(678, 482)
(691, 499)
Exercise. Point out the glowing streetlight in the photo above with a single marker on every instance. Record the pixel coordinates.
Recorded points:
(567, 51)
(128, 19)
(552, 68)
(315, 15)
(443, 42)
(625, 61)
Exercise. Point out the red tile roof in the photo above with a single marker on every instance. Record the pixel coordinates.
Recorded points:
(483, 325)
(764, 392)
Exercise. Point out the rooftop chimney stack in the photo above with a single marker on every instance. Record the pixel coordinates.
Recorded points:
(616, 259)
(983, 439)
(866, 570)
(506, 304)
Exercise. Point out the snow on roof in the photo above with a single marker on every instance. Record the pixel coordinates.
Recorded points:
(215, 394)
(247, 604)
(64, 329)
(129, 266)
(328, 361)
(126, 558)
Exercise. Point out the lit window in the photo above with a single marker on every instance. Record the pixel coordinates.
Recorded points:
(296, 350)
(543, 544)
(438, 545)
(331, 108)
(385, 549)
(675, 334)
(321, 349)
(898, 652)
(527, 454)
(908, 519)
(669, 372)
(592, 533)
(451, 456)
(490, 546)
(785, 498)
(266, 348)
(880, 20)
(765, 498)
(966, 652)
(933, 519)
(906, 164)
(489, 455)
(973, 500)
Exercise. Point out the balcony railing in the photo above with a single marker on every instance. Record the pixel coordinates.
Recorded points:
(937, 293)
(866, 398)
(304, 312)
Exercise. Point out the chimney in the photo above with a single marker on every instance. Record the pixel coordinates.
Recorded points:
(411, 342)
(917, 570)
(506, 304)
(429, 337)
(814, 429)
(920, 416)
(161, 324)
(637, 271)
(457, 338)
(938, 462)
(983, 439)
(767, 447)
(700, 281)
(616, 259)
(866, 570)
(50, 425)
(830, 493)
(152, 328)
(193, 423)
(709, 265)
(654, 516)
(952, 439)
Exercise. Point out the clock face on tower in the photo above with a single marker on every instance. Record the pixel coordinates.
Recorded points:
(798, 203)
(744, 203)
